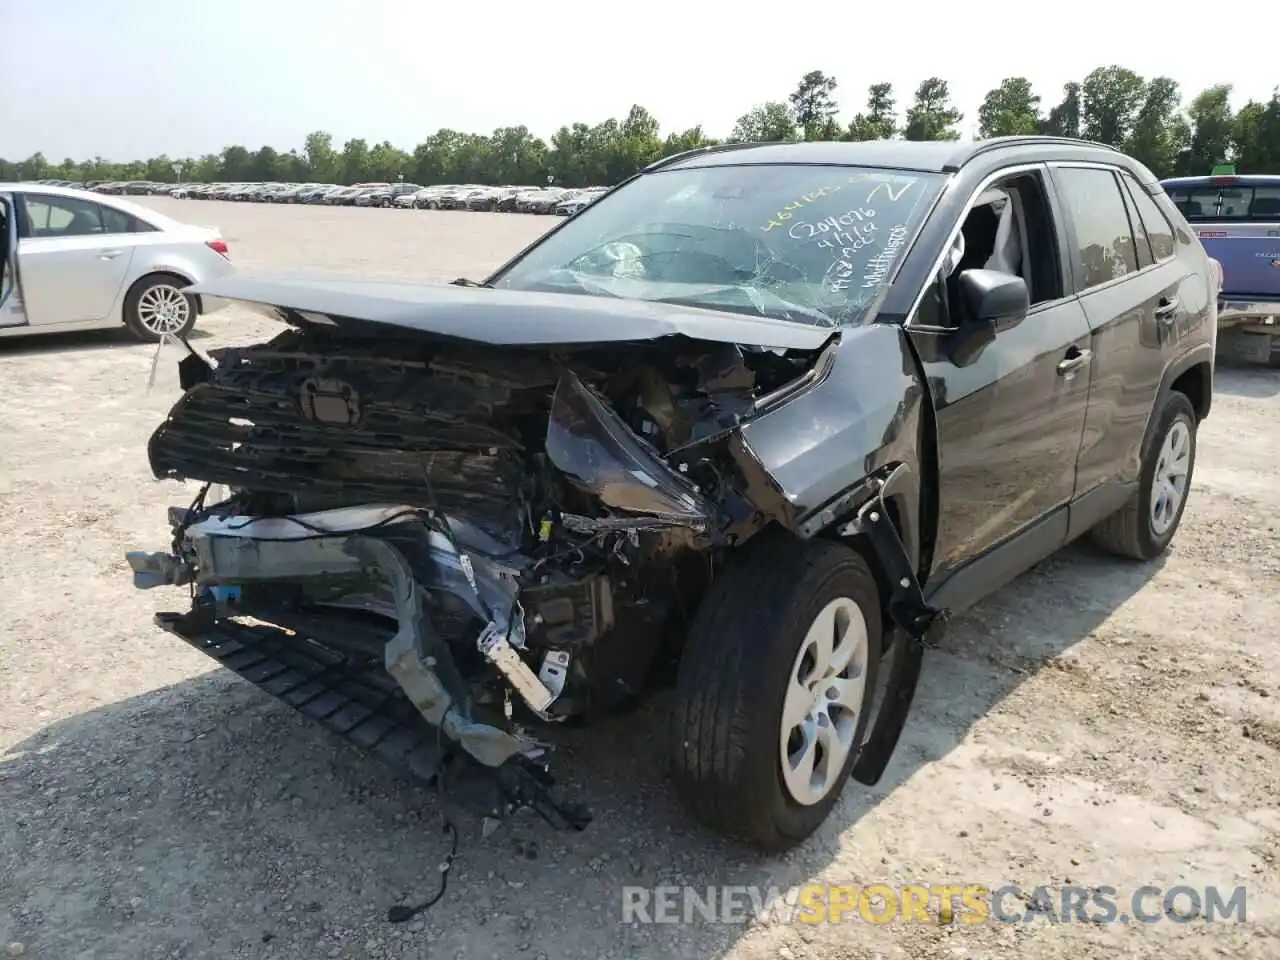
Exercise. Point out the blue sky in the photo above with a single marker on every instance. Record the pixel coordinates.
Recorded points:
(126, 79)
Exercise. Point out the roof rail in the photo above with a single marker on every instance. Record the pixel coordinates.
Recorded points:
(710, 148)
(1027, 140)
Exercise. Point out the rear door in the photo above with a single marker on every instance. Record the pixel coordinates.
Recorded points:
(72, 259)
(1132, 301)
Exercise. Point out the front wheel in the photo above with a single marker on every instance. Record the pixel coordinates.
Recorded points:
(1144, 527)
(156, 307)
(775, 690)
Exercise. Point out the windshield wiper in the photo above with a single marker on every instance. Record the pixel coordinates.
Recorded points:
(464, 282)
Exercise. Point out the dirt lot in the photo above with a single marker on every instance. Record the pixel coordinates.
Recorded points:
(1095, 723)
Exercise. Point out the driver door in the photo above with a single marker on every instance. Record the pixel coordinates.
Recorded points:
(12, 313)
(1010, 423)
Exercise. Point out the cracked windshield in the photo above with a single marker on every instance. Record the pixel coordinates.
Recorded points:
(816, 245)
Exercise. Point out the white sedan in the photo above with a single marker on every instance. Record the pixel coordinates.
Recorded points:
(75, 260)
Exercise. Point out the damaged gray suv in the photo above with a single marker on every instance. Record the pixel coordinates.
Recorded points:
(758, 420)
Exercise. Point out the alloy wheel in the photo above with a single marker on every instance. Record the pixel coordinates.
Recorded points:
(1169, 483)
(163, 309)
(823, 701)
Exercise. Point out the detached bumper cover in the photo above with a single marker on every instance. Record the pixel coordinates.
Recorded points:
(369, 712)
(324, 685)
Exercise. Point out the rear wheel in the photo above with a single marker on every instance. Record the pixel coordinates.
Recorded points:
(156, 307)
(775, 689)
(1144, 527)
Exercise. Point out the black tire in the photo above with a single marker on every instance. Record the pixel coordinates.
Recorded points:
(1130, 531)
(134, 301)
(743, 646)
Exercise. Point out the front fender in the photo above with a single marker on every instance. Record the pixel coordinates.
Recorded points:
(864, 415)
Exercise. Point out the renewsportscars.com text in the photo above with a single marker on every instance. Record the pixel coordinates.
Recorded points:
(939, 903)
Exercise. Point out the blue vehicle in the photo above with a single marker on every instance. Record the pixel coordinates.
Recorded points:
(1238, 221)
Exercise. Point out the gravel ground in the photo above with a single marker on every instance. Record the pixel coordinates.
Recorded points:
(1094, 723)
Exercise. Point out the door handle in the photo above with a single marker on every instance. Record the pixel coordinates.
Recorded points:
(109, 254)
(1166, 308)
(1074, 362)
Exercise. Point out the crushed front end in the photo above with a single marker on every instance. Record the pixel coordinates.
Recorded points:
(431, 546)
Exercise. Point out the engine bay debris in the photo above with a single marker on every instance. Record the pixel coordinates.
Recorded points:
(438, 538)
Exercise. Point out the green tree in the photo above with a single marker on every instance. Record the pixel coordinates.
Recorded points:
(1112, 104)
(765, 123)
(637, 144)
(1110, 100)
(1159, 134)
(1011, 108)
(814, 107)
(353, 164)
(691, 139)
(932, 117)
(322, 161)
(517, 156)
(1064, 119)
(264, 165)
(235, 164)
(880, 122)
(387, 163)
(1213, 128)
(1256, 136)
(35, 167)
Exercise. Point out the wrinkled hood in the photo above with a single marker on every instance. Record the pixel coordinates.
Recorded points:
(503, 317)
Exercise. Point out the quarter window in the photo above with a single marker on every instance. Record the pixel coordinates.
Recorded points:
(1141, 243)
(1104, 246)
(117, 221)
(1151, 220)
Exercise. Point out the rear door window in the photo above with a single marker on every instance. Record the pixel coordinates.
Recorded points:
(52, 216)
(1104, 244)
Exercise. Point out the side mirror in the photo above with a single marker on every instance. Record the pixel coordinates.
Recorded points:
(991, 300)
(994, 297)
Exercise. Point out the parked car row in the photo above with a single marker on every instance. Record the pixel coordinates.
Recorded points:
(509, 199)
(526, 199)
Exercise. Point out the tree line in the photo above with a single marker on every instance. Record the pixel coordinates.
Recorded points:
(1146, 118)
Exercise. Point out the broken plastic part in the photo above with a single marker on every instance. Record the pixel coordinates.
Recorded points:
(407, 655)
(918, 624)
(554, 670)
(593, 447)
(498, 651)
(158, 570)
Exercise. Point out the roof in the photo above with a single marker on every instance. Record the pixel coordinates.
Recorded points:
(937, 156)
